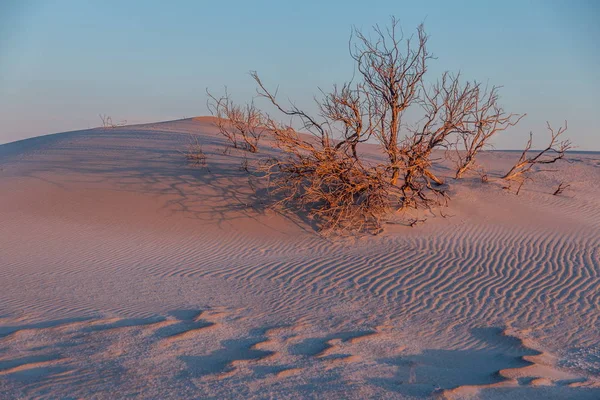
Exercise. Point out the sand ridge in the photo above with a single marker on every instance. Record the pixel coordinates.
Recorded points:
(124, 269)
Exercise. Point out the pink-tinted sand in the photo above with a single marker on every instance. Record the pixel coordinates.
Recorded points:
(126, 272)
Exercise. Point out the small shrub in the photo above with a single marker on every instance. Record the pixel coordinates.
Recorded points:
(194, 153)
(242, 126)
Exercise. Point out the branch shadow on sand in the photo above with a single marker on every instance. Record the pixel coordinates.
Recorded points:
(148, 159)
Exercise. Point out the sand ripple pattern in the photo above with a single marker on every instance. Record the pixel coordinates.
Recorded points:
(474, 272)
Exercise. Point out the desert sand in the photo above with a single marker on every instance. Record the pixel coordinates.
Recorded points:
(125, 272)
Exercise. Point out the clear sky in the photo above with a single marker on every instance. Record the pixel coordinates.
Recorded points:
(63, 62)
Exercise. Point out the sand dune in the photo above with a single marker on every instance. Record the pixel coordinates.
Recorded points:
(125, 270)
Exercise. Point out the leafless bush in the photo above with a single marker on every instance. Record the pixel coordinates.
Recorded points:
(338, 191)
(107, 122)
(194, 153)
(324, 176)
(552, 153)
(328, 174)
(392, 68)
(243, 126)
(323, 172)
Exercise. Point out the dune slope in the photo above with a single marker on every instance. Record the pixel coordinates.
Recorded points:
(123, 269)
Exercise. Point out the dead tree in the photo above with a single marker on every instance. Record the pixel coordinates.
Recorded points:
(323, 171)
(242, 126)
(484, 119)
(392, 69)
(552, 153)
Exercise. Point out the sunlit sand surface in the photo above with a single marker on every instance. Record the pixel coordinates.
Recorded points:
(126, 272)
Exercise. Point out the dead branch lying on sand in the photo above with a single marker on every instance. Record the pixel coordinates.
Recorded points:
(561, 188)
(552, 153)
(243, 126)
(107, 122)
(413, 222)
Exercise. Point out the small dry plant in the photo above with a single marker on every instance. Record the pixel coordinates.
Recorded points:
(107, 122)
(194, 153)
(242, 126)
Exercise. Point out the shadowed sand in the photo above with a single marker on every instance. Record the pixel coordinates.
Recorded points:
(123, 269)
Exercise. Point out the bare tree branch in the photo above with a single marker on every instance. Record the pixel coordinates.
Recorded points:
(552, 153)
(234, 121)
(484, 119)
(392, 69)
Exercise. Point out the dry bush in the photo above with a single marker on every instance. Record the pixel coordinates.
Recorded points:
(243, 126)
(324, 176)
(107, 122)
(552, 153)
(194, 153)
(392, 70)
(339, 192)
(323, 172)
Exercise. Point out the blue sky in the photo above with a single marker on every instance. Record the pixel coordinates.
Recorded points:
(63, 62)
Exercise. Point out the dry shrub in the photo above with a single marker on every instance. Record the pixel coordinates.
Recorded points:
(322, 171)
(242, 126)
(107, 122)
(339, 193)
(194, 153)
(391, 68)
